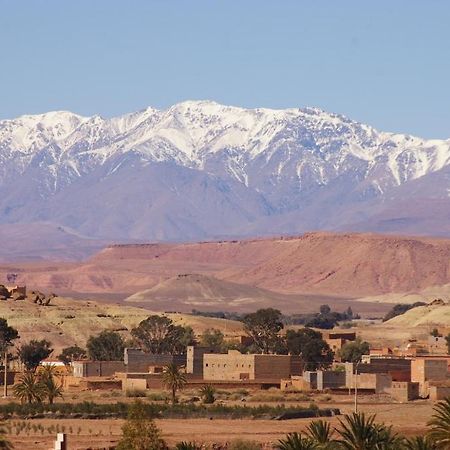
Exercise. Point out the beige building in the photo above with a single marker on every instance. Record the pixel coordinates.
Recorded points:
(426, 370)
(83, 369)
(235, 366)
(404, 391)
(377, 382)
(439, 392)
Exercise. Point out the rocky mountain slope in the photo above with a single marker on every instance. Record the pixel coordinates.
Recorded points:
(203, 170)
(344, 265)
(62, 320)
(428, 315)
(185, 292)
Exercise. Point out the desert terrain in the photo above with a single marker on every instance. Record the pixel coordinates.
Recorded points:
(296, 273)
(408, 419)
(123, 284)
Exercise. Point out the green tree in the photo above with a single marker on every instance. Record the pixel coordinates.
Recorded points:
(401, 308)
(324, 309)
(353, 351)
(139, 431)
(29, 389)
(33, 353)
(214, 339)
(158, 335)
(183, 337)
(308, 343)
(7, 335)
(435, 333)
(440, 424)
(72, 353)
(349, 313)
(107, 346)
(263, 327)
(174, 379)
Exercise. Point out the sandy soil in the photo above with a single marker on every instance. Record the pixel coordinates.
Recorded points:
(408, 419)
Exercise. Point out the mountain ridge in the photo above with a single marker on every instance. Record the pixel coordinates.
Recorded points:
(200, 170)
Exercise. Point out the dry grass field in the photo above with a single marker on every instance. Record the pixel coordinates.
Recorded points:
(408, 419)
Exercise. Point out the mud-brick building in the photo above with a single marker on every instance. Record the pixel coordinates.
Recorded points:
(404, 391)
(136, 360)
(235, 366)
(336, 340)
(83, 369)
(426, 370)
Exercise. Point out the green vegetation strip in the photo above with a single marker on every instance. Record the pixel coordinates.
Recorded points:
(91, 410)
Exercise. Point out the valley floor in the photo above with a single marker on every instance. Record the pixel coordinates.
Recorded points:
(407, 419)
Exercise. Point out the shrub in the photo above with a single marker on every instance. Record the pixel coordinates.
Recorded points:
(242, 444)
(208, 394)
(135, 393)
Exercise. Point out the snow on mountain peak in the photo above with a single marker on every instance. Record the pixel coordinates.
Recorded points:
(201, 169)
(301, 148)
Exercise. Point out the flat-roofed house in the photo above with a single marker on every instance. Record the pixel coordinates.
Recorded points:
(235, 366)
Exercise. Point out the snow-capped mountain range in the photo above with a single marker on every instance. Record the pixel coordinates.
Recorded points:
(201, 170)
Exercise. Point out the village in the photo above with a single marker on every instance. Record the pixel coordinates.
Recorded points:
(405, 376)
(318, 372)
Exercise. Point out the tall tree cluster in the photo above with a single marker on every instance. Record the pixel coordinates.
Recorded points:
(159, 335)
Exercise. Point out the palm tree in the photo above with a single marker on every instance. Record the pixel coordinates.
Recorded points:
(359, 432)
(52, 388)
(5, 444)
(295, 441)
(440, 424)
(208, 393)
(420, 443)
(174, 379)
(30, 388)
(47, 371)
(320, 432)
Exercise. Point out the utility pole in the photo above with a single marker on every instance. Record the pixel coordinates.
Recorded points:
(356, 387)
(5, 379)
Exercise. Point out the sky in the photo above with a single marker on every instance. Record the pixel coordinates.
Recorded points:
(385, 63)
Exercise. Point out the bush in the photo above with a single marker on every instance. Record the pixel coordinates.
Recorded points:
(90, 410)
(242, 444)
(135, 393)
(158, 396)
(401, 308)
(208, 394)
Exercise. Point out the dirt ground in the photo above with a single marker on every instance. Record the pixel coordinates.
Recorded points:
(408, 419)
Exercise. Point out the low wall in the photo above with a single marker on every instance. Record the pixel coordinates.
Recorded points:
(439, 392)
(330, 380)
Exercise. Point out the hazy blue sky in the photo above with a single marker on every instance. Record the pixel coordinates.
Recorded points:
(386, 63)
